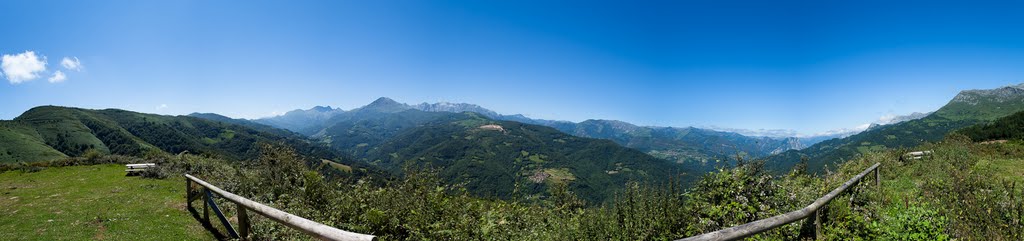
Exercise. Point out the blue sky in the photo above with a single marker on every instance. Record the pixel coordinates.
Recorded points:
(807, 66)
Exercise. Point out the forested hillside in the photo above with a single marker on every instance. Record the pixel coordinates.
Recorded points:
(1007, 128)
(51, 132)
(500, 158)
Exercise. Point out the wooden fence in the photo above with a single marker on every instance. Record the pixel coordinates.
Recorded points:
(245, 205)
(762, 225)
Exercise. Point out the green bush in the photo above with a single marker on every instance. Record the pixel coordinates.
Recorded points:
(913, 222)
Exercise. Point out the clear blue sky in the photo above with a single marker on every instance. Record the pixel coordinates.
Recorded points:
(808, 66)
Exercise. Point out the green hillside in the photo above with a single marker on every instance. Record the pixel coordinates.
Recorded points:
(968, 108)
(24, 143)
(358, 131)
(51, 132)
(1007, 128)
(94, 202)
(494, 157)
(964, 191)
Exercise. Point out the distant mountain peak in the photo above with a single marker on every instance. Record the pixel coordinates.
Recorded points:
(300, 120)
(1001, 94)
(455, 107)
(384, 101)
(385, 104)
(322, 108)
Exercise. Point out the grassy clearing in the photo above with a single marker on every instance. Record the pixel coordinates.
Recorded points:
(93, 202)
(338, 166)
(560, 175)
(1007, 169)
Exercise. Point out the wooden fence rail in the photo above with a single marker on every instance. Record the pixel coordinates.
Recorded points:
(244, 205)
(762, 225)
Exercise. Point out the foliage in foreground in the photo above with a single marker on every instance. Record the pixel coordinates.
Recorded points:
(961, 192)
(419, 206)
(946, 196)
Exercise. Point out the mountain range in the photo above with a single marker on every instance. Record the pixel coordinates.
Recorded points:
(688, 144)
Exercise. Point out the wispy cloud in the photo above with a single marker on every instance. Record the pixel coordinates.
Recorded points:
(161, 107)
(774, 133)
(71, 63)
(57, 77)
(22, 67)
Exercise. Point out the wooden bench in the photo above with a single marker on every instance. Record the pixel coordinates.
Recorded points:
(136, 168)
(915, 155)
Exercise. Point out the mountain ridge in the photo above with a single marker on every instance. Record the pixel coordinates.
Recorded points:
(967, 108)
(680, 152)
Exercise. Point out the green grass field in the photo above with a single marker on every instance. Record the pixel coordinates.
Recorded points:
(94, 202)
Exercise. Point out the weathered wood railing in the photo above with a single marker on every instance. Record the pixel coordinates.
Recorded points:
(762, 225)
(244, 205)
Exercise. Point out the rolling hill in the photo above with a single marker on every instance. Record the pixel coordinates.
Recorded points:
(51, 132)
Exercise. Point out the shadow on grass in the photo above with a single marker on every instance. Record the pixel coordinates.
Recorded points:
(206, 224)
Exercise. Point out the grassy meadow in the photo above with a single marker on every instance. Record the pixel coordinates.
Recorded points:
(95, 202)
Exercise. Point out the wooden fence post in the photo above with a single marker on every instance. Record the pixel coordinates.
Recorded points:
(245, 206)
(818, 209)
(206, 206)
(188, 193)
(878, 179)
(243, 222)
(817, 224)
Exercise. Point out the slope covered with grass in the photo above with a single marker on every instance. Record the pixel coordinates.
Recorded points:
(23, 143)
(94, 202)
(965, 190)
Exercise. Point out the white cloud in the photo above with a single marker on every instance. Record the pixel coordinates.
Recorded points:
(22, 67)
(161, 107)
(887, 118)
(57, 77)
(71, 64)
(773, 133)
